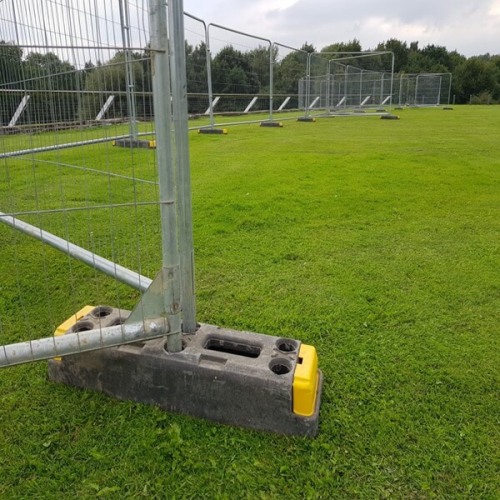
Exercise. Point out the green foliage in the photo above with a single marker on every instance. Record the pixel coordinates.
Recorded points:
(109, 78)
(351, 46)
(478, 76)
(376, 241)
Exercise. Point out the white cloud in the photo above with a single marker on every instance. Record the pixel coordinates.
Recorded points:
(470, 27)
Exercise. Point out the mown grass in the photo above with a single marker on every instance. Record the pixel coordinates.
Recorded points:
(376, 241)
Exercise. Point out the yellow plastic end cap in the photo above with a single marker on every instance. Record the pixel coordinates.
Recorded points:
(152, 144)
(224, 131)
(64, 327)
(305, 381)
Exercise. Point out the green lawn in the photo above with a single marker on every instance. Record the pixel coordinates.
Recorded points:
(375, 240)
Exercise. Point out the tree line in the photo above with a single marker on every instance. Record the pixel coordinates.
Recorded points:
(78, 94)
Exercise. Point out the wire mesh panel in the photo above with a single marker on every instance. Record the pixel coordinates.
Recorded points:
(348, 82)
(431, 89)
(196, 64)
(422, 89)
(240, 70)
(63, 177)
(290, 65)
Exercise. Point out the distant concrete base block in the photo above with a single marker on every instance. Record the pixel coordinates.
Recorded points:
(213, 131)
(271, 124)
(306, 119)
(389, 117)
(134, 143)
(232, 377)
(448, 108)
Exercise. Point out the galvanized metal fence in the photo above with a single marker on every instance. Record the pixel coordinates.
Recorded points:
(422, 89)
(64, 180)
(95, 161)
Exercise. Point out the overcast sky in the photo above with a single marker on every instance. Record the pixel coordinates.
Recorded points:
(471, 27)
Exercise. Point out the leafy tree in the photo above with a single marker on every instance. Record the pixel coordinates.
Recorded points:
(288, 73)
(350, 46)
(477, 76)
(45, 74)
(232, 74)
(401, 53)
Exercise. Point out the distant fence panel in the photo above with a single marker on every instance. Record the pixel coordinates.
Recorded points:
(348, 82)
(422, 89)
(290, 66)
(196, 64)
(241, 69)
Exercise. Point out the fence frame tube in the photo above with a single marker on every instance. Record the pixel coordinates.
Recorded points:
(180, 121)
(166, 168)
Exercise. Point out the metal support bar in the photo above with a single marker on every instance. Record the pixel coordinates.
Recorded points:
(342, 101)
(19, 110)
(365, 100)
(284, 103)
(56, 147)
(250, 106)
(131, 278)
(314, 103)
(210, 108)
(104, 108)
(83, 341)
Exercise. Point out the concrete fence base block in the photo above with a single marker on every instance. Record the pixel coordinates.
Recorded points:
(212, 131)
(134, 143)
(232, 377)
(271, 124)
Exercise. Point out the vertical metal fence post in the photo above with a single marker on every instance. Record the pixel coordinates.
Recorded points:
(180, 120)
(308, 84)
(328, 88)
(271, 79)
(209, 76)
(416, 90)
(449, 89)
(392, 78)
(129, 73)
(166, 170)
(346, 80)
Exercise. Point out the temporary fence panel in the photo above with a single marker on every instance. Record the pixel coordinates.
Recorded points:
(66, 184)
(241, 69)
(422, 89)
(348, 81)
(195, 30)
(290, 66)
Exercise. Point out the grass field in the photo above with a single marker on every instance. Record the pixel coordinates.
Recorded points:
(375, 240)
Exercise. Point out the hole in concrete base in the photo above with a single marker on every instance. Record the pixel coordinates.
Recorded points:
(280, 366)
(82, 326)
(286, 345)
(231, 347)
(101, 311)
